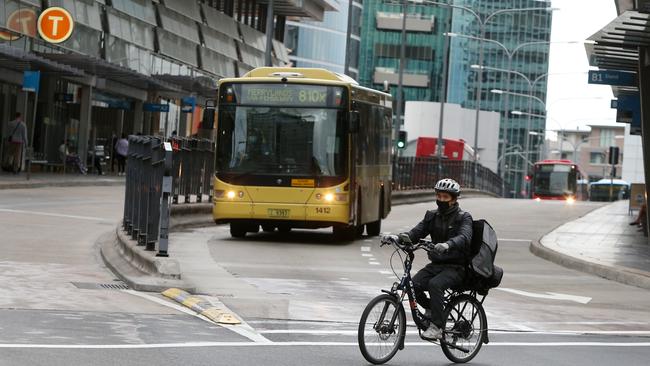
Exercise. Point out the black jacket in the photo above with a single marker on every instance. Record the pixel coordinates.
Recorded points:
(454, 228)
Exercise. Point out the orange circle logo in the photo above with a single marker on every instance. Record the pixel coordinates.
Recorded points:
(55, 25)
(20, 21)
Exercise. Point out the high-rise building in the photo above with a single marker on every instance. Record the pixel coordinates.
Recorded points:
(512, 27)
(324, 43)
(380, 48)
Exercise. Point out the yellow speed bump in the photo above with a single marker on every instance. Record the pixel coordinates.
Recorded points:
(201, 306)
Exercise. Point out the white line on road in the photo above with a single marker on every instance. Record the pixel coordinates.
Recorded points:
(548, 295)
(350, 332)
(374, 263)
(308, 344)
(89, 218)
(386, 272)
(366, 255)
(365, 249)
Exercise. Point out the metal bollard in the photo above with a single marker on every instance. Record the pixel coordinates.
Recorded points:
(137, 187)
(163, 242)
(128, 189)
(147, 183)
(176, 165)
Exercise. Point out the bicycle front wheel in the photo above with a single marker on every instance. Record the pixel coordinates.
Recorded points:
(465, 329)
(381, 329)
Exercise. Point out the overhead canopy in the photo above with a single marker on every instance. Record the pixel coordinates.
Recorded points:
(615, 47)
(20, 60)
(314, 9)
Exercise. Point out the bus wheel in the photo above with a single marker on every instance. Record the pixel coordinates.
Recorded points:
(345, 233)
(373, 228)
(268, 228)
(237, 230)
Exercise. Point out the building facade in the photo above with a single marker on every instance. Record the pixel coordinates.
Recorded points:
(379, 55)
(515, 60)
(325, 44)
(131, 65)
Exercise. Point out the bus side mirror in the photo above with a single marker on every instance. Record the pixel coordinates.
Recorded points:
(353, 122)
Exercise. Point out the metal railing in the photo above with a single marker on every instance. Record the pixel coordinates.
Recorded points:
(412, 173)
(157, 171)
(192, 169)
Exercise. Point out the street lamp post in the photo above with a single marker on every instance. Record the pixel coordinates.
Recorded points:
(482, 22)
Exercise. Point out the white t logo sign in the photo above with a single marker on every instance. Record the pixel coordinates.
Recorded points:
(55, 26)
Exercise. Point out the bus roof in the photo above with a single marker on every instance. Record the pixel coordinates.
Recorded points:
(551, 161)
(302, 75)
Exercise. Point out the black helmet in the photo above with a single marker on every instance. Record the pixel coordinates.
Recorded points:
(448, 185)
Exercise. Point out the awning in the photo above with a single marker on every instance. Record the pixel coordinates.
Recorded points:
(200, 85)
(615, 46)
(20, 60)
(109, 71)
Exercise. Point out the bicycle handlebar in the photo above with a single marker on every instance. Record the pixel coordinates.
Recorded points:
(422, 244)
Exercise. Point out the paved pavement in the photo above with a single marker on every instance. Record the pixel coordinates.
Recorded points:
(602, 243)
(40, 180)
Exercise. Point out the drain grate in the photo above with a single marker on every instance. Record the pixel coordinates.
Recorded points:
(101, 286)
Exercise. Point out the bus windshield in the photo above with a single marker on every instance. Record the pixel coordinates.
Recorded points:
(281, 141)
(554, 180)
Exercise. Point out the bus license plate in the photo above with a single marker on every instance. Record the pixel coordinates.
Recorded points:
(278, 212)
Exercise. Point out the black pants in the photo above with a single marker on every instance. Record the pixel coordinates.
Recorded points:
(436, 278)
(120, 163)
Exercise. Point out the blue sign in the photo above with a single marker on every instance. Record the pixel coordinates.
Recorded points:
(65, 97)
(188, 104)
(31, 81)
(155, 107)
(612, 77)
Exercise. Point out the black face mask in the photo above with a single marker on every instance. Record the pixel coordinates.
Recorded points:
(442, 205)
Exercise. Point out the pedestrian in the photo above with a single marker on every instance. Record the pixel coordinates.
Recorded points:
(17, 142)
(122, 149)
(70, 158)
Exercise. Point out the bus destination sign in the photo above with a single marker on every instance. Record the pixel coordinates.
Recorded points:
(289, 95)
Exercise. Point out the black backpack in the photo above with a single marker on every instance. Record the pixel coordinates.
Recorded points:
(483, 252)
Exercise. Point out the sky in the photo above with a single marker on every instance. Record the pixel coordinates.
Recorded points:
(571, 102)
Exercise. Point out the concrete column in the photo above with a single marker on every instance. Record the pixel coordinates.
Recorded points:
(644, 91)
(138, 117)
(85, 121)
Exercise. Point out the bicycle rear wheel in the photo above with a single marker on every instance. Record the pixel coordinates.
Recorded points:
(381, 329)
(465, 328)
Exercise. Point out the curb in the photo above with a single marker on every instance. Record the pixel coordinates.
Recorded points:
(623, 275)
(201, 306)
(70, 183)
(138, 268)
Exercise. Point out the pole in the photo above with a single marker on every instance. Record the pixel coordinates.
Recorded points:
(400, 76)
(527, 137)
(505, 128)
(30, 150)
(269, 34)
(611, 179)
(346, 67)
(443, 101)
(478, 100)
(163, 242)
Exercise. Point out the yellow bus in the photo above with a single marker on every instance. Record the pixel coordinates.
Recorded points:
(302, 148)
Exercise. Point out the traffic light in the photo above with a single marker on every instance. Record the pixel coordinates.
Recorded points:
(528, 178)
(613, 155)
(401, 139)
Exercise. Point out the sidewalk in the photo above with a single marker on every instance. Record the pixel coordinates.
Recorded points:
(40, 180)
(601, 243)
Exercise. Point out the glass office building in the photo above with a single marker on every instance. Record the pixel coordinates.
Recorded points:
(525, 35)
(126, 58)
(324, 43)
(380, 48)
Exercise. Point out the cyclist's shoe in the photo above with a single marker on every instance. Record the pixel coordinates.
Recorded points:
(433, 332)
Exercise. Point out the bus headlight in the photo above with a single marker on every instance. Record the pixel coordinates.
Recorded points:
(329, 197)
(570, 200)
(230, 194)
(538, 199)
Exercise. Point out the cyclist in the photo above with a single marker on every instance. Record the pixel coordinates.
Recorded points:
(450, 229)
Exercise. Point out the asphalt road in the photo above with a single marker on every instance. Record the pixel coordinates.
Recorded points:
(301, 292)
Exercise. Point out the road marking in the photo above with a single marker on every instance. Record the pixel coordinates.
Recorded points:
(366, 255)
(309, 344)
(353, 332)
(548, 295)
(242, 329)
(522, 240)
(89, 218)
(374, 263)
(386, 272)
(365, 249)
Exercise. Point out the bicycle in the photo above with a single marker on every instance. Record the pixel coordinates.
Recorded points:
(465, 330)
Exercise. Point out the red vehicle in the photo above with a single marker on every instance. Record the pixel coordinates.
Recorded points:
(452, 149)
(557, 180)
